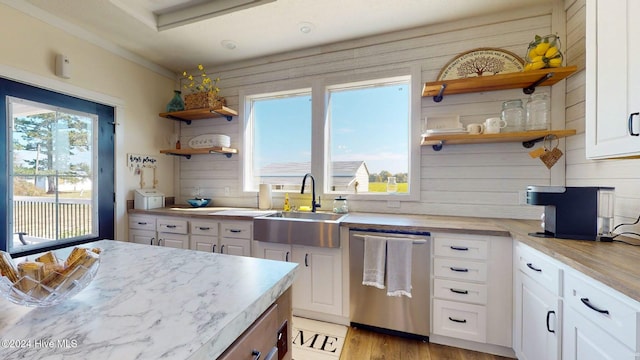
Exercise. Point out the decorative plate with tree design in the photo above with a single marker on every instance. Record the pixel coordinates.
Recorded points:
(481, 62)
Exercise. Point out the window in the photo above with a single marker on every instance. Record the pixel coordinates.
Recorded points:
(369, 137)
(356, 134)
(280, 146)
(59, 151)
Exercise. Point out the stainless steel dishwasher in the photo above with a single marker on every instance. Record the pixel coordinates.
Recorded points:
(372, 308)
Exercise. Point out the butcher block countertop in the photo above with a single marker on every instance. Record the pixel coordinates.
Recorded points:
(614, 264)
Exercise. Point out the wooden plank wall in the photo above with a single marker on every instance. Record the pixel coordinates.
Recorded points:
(469, 180)
(621, 174)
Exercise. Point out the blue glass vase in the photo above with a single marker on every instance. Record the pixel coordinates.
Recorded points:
(176, 103)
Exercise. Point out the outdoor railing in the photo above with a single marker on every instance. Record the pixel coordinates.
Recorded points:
(46, 219)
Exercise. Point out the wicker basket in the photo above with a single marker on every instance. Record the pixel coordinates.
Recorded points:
(203, 100)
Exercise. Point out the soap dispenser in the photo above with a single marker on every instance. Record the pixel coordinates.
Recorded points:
(287, 205)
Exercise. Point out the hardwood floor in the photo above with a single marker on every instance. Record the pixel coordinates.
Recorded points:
(362, 344)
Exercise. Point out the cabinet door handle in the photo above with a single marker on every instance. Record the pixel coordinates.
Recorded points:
(256, 354)
(631, 124)
(458, 269)
(457, 291)
(204, 228)
(273, 354)
(171, 226)
(214, 248)
(590, 306)
(306, 260)
(463, 321)
(159, 242)
(459, 248)
(151, 241)
(530, 266)
(222, 249)
(286, 257)
(548, 316)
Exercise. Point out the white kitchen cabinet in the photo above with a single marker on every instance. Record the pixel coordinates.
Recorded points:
(472, 290)
(612, 78)
(272, 251)
(142, 229)
(204, 235)
(599, 322)
(173, 232)
(538, 305)
(236, 237)
(318, 285)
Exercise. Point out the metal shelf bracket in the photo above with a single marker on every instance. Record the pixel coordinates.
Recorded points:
(188, 122)
(440, 95)
(532, 88)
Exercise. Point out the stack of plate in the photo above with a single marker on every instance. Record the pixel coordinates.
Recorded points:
(209, 140)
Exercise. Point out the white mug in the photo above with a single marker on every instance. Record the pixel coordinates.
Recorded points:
(493, 125)
(475, 129)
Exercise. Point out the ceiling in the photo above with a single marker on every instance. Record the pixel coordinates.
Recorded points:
(270, 28)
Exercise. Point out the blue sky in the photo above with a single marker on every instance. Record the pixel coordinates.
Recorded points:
(369, 124)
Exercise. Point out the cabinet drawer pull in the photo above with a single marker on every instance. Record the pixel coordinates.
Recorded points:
(631, 124)
(142, 223)
(273, 354)
(171, 226)
(530, 266)
(590, 306)
(256, 354)
(457, 291)
(463, 321)
(235, 230)
(548, 316)
(204, 228)
(459, 248)
(458, 269)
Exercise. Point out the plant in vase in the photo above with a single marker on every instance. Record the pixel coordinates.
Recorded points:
(204, 90)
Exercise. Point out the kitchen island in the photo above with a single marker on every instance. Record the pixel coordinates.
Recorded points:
(149, 302)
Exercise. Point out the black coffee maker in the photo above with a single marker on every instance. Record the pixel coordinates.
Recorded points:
(579, 213)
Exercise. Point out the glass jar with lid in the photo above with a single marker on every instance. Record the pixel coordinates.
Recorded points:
(513, 115)
(538, 114)
(340, 205)
(392, 185)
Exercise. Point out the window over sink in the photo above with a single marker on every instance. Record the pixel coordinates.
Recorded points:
(354, 133)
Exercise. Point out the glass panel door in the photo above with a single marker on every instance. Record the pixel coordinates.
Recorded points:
(52, 174)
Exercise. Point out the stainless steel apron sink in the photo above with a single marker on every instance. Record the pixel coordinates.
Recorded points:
(299, 228)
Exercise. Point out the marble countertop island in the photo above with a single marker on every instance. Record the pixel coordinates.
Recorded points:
(148, 302)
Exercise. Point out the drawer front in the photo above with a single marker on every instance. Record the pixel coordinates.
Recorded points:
(609, 310)
(459, 320)
(261, 336)
(460, 291)
(142, 222)
(237, 230)
(461, 247)
(460, 269)
(206, 228)
(540, 268)
(173, 226)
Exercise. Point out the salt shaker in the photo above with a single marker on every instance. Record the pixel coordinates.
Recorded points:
(513, 115)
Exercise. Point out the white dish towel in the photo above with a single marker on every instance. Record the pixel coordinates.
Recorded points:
(374, 260)
(399, 266)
